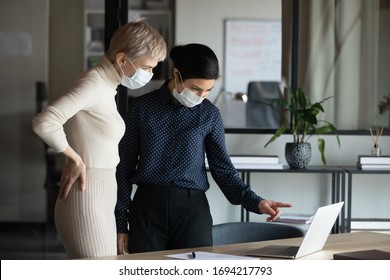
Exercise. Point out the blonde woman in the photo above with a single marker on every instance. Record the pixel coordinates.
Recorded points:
(85, 126)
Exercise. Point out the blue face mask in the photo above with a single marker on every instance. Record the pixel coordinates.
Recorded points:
(187, 97)
(140, 78)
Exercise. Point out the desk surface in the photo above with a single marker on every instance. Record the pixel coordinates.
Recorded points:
(336, 243)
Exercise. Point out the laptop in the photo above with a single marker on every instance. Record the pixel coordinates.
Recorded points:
(314, 240)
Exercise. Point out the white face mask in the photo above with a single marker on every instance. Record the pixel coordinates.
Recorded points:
(187, 97)
(140, 78)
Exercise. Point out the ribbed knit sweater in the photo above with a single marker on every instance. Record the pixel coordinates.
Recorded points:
(93, 125)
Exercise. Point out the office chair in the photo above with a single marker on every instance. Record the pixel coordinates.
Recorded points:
(240, 232)
(258, 113)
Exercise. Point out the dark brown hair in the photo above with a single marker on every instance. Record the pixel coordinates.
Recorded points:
(195, 61)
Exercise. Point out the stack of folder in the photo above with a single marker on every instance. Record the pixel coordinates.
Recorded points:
(256, 162)
(368, 162)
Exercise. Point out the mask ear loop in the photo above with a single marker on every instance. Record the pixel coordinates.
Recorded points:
(121, 67)
(174, 78)
(132, 64)
(181, 80)
(123, 72)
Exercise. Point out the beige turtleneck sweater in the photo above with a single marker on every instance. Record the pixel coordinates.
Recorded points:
(86, 118)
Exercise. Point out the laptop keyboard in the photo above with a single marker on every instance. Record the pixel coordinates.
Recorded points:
(279, 250)
(289, 251)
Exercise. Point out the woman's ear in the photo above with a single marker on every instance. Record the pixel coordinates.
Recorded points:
(174, 72)
(120, 58)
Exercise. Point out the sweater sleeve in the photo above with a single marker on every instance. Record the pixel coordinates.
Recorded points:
(49, 124)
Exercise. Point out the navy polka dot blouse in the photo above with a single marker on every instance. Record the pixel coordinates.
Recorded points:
(165, 143)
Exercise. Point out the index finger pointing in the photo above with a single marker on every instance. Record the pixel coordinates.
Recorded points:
(281, 204)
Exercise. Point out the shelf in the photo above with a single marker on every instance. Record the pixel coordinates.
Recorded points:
(161, 20)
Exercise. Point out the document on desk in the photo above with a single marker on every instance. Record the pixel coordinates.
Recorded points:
(199, 255)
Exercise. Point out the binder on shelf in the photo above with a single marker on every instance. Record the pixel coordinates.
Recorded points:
(258, 166)
(258, 162)
(368, 159)
(249, 159)
(374, 166)
(254, 162)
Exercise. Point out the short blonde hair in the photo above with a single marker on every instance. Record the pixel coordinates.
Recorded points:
(135, 39)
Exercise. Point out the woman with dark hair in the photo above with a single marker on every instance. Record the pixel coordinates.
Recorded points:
(168, 133)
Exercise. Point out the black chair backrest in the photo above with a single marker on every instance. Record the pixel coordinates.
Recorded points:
(240, 232)
(258, 113)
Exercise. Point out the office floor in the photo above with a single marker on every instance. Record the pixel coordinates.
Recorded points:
(30, 241)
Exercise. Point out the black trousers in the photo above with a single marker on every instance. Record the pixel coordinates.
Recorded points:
(167, 217)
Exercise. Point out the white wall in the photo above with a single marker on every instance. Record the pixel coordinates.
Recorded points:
(306, 192)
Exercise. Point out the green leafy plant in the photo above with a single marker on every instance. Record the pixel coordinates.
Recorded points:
(384, 104)
(303, 122)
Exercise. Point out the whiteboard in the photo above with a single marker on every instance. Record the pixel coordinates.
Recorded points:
(253, 52)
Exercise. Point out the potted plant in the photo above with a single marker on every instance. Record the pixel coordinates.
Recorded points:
(303, 123)
(384, 105)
